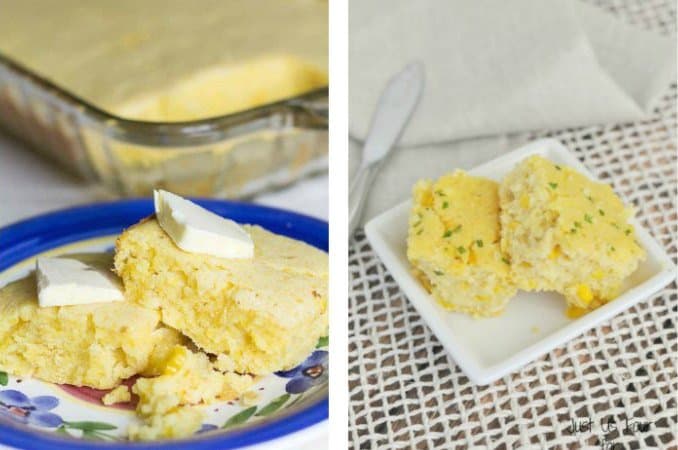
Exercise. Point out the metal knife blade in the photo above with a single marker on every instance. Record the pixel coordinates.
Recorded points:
(394, 109)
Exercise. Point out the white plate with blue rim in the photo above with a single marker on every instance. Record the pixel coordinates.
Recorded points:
(533, 323)
(291, 407)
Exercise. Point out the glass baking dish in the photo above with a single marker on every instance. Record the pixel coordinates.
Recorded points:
(234, 155)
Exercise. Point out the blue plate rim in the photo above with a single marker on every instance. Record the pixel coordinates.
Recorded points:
(23, 239)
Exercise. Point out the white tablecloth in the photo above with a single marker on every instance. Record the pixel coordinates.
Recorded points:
(497, 68)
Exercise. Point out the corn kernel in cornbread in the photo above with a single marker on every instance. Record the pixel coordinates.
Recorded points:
(169, 338)
(264, 314)
(187, 379)
(95, 345)
(566, 233)
(453, 244)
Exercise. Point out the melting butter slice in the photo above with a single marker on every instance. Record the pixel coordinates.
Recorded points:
(67, 281)
(197, 230)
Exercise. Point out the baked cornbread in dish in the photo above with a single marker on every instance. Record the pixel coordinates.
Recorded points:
(171, 60)
(224, 90)
(259, 315)
(96, 345)
(453, 244)
(564, 232)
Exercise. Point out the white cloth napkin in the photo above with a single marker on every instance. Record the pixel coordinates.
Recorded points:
(495, 67)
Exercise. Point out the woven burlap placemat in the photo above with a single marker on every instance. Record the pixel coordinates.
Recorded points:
(406, 392)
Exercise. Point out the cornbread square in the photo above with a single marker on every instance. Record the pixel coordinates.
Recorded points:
(262, 314)
(566, 233)
(96, 345)
(453, 244)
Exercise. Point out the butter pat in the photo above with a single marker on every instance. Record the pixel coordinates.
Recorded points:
(197, 230)
(68, 281)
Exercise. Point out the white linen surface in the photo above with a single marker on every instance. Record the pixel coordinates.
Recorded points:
(494, 68)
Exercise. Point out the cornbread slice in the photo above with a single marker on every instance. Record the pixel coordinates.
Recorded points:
(187, 379)
(566, 233)
(263, 314)
(453, 244)
(95, 345)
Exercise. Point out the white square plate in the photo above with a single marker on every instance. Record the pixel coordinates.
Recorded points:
(534, 323)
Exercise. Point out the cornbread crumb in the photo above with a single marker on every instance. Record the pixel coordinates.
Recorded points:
(181, 422)
(121, 394)
(453, 244)
(186, 379)
(96, 345)
(264, 314)
(223, 363)
(571, 236)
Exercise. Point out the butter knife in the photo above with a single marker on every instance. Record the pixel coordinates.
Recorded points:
(394, 109)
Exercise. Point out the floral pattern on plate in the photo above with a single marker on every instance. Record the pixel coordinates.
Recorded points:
(39, 410)
(20, 408)
(311, 372)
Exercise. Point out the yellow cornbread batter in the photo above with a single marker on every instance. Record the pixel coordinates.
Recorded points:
(453, 244)
(171, 60)
(566, 233)
(261, 314)
(96, 345)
